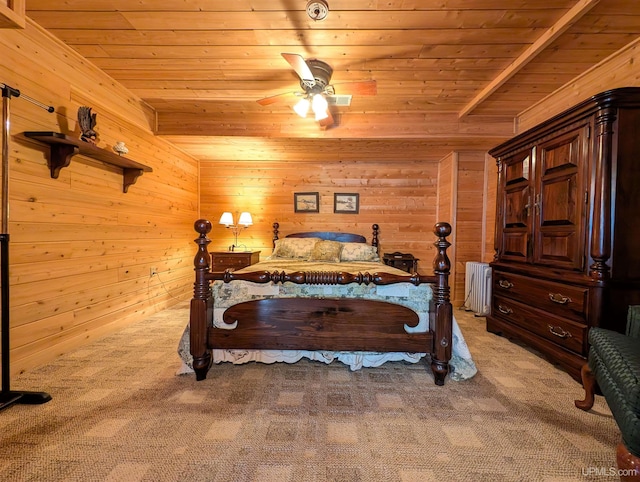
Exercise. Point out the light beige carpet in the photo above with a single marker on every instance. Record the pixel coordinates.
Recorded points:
(119, 412)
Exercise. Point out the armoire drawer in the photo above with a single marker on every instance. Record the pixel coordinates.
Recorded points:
(565, 333)
(563, 300)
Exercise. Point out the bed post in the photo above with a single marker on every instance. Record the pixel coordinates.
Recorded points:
(374, 239)
(444, 314)
(275, 226)
(200, 303)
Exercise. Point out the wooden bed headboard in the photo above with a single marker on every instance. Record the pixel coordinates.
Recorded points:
(329, 235)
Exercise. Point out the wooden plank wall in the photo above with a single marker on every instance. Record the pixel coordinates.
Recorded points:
(405, 198)
(469, 215)
(400, 196)
(461, 198)
(447, 182)
(81, 249)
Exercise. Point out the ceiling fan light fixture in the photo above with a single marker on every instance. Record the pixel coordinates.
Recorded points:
(302, 107)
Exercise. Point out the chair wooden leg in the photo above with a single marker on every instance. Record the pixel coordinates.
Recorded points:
(628, 464)
(589, 384)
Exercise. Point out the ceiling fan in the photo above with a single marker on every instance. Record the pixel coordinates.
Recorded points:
(315, 78)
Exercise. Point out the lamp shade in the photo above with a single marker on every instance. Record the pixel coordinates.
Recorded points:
(302, 107)
(321, 115)
(226, 219)
(319, 103)
(245, 219)
(319, 106)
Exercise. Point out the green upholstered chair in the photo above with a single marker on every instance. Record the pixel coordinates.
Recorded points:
(613, 369)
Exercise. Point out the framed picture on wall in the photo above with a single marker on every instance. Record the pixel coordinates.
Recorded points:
(346, 203)
(306, 202)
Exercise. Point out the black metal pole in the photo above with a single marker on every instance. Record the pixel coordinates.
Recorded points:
(8, 397)
(4, 281)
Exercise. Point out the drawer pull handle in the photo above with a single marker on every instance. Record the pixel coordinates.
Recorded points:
(503, 283)
(506, 311)
(559, 332)
(560, 299)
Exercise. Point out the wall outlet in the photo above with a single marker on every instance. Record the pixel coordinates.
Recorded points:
(153, 271)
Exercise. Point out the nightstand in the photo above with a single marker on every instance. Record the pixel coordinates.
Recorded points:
(222, 260)
(404, 261)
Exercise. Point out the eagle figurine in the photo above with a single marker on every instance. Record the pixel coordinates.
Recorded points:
(87, 123)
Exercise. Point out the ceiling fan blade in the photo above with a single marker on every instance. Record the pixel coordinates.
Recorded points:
(366, 87)
(276, 98)
(300, 66)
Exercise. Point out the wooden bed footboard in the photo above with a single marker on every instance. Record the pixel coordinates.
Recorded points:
(321, 324)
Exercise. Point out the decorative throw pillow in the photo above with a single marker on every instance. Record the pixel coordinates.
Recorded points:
(294, 248)
(326, 250)
(359, 252)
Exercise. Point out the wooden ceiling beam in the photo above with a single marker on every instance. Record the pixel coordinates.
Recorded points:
(549, 36)
(369, 125)
(246, 148)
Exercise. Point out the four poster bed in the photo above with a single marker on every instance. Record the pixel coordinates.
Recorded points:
(323, 296)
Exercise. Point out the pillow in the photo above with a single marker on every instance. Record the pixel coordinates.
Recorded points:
(294, 248)
(326, 250)
(359, 252)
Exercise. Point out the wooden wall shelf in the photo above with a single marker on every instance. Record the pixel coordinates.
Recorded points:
(63, 148)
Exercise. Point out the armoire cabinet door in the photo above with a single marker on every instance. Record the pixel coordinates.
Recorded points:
(560, 199)
(516, 209)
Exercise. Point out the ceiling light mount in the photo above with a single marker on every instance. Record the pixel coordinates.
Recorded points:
(317, 9)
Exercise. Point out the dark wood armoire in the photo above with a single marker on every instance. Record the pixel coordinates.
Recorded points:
(567, 234)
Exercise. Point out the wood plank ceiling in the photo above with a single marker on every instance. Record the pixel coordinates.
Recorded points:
(450, 74)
